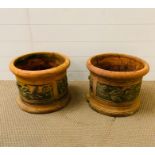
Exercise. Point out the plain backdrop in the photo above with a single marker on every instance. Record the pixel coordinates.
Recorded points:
(78, 33)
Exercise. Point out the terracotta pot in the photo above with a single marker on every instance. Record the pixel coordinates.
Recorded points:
(115, 82)
(42, 81)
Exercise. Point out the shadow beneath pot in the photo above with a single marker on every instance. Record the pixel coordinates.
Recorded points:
(147, 98)
(77, 92)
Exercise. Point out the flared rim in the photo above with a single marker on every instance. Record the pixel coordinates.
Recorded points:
(117, 74)
(46, 72)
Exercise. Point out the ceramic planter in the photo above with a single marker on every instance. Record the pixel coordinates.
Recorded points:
(42, 81)
(115, 82)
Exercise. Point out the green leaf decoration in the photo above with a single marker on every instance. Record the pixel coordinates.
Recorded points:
(62, 86)
(117, 94)
(35, 92)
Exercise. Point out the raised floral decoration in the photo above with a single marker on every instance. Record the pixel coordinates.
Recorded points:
(117, 94)
(35, 92)
(90, 83)
(62, 86)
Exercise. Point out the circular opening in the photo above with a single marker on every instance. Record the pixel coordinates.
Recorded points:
(117, 63)
(39, 61)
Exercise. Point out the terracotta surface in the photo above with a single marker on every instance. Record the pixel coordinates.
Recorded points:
(42, 81)
(115, 82)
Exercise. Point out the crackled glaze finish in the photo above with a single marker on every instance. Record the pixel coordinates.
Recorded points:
(115, 83)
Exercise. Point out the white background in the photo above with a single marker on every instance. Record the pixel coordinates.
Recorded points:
(73, 4)
(78, 33)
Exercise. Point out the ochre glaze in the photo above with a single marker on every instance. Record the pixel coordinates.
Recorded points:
(42, 81)
(115, 82)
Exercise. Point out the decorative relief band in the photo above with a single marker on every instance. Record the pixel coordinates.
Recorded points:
(62, 86)
(35, 92)
(90, 83)
(117, 94)
(38, 94)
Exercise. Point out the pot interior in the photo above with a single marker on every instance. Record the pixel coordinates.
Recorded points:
(39, 61)
(117, 63)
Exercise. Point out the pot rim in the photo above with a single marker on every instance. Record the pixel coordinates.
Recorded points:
(116, 74)
(46, 72)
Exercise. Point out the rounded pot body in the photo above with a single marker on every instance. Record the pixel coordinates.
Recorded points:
(41, 80)
(115, 83)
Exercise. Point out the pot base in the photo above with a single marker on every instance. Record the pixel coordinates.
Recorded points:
(113, 110)
(41, 109)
